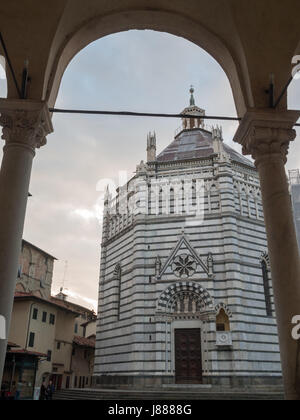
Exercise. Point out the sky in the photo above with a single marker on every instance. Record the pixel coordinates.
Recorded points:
(142, 71)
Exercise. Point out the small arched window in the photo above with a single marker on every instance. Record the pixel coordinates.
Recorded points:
(222, 321)
(172, 201)
(194, 195)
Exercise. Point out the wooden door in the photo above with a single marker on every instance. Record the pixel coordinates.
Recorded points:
(188, 363)
(59, 382)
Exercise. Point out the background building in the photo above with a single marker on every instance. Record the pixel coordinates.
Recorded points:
(83, 361)
(35, 270)
(46, 331)
(185, 293)
(294, 177)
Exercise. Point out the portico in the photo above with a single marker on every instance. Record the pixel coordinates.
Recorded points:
(51, 34)
(266, 134)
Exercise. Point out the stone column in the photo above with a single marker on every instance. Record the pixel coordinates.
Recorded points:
(25, 126)
(266, 134)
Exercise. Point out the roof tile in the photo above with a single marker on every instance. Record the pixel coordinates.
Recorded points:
(196, 144)
(84, 342)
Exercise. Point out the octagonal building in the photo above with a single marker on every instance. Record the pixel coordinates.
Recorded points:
(185, 295)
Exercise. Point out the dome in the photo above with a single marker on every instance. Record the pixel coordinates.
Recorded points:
(196, 144)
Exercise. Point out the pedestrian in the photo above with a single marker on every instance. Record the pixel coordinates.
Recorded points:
(17, 394)
(43, 392)
(50, 390)
(4, 388)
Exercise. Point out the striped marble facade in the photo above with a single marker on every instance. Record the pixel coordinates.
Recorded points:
(165, 268)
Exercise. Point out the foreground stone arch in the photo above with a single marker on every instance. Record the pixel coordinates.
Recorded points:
(53, 33)
(158, 20)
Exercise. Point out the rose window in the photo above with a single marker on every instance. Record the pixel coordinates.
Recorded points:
(184, 266)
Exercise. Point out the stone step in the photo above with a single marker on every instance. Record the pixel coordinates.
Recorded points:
(98, 394)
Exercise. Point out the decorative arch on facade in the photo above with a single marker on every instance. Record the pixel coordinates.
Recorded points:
(184, 297)
(265, 258)
(117, 271)
(225, 308)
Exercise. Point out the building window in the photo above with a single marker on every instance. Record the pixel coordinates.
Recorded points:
(44, 318)
(52, 319)
(160, 201)
(31, 339)
(76, 328)
(220, 327)
(35, 313)
(58, 345)
(49, 354)
(172, 201)
(194, 195)
(266, 288)
(222, 321)
(118, 276)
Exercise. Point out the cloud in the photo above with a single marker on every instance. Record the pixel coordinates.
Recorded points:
(85, 214)
(79, 298)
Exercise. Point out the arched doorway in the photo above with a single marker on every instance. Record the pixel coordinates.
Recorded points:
(188, 312)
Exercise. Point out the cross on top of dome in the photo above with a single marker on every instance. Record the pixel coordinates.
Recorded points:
(192, 99)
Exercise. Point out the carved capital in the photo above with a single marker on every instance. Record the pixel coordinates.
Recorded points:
(25, 122)
(267, 142)
(266, 134)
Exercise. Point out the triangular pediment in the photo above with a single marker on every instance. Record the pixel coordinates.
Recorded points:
(184, 260)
